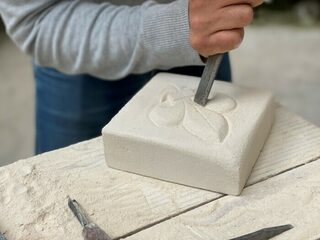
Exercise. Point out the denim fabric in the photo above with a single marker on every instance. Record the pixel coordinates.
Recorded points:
(73, 108)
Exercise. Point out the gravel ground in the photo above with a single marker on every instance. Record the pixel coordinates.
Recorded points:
(284, 59)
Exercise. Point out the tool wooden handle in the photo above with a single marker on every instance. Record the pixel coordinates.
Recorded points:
(93, 232)
(2, 237)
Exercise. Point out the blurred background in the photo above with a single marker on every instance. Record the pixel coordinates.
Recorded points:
(281, 52)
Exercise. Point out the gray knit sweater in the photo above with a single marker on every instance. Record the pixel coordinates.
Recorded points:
(104, 39)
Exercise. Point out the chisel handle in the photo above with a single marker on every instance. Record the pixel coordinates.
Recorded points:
(2, 237)
(93, 232)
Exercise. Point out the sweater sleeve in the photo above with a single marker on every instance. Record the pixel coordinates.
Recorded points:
(101, 39)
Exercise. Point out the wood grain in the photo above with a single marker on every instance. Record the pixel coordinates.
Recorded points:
(289, 198)
(292, 142)
(131, 203)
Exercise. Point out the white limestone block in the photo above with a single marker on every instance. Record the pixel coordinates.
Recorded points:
(163, 134)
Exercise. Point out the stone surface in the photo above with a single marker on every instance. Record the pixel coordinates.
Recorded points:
(162, 133)
(33, 192)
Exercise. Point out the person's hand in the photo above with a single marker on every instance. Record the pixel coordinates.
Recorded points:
(217, 26)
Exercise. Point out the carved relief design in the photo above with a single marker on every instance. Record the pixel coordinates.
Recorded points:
(176, 108)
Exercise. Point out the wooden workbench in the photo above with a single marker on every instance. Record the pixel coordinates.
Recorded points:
(283, 188)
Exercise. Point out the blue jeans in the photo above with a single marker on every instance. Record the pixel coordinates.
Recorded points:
(73, 108)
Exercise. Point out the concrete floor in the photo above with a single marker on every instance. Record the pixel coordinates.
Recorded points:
(16, 103)
(283, 59)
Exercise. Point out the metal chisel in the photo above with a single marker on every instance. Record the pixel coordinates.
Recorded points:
(91, 231)
(208, 76)
(266, 233)
(2, 237)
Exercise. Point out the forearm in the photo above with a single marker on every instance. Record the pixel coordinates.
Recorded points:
(101, 39)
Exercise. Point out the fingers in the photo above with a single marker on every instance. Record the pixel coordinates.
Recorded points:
(255, 3)
(219, 42)
(228, 39)
(252, 3)
(217, 26)
(231, 17)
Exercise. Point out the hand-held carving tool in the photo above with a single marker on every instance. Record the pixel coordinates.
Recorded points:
(2, 237)
(91, 231)
(266, 233)
(208, 76)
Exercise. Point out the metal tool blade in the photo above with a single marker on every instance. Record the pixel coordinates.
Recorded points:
(2, 237)
(91, 231)
(77, 211)
(265, 234)
(208, 76)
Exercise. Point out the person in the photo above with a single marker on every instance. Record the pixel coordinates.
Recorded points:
(91, 57)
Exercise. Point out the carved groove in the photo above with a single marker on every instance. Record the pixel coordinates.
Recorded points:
(176, 108)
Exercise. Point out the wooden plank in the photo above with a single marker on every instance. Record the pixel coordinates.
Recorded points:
(289, 198)
(34, 191)
(33, 195)
(292, 142)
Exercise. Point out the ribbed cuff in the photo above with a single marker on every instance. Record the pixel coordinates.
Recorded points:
(166, 34)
